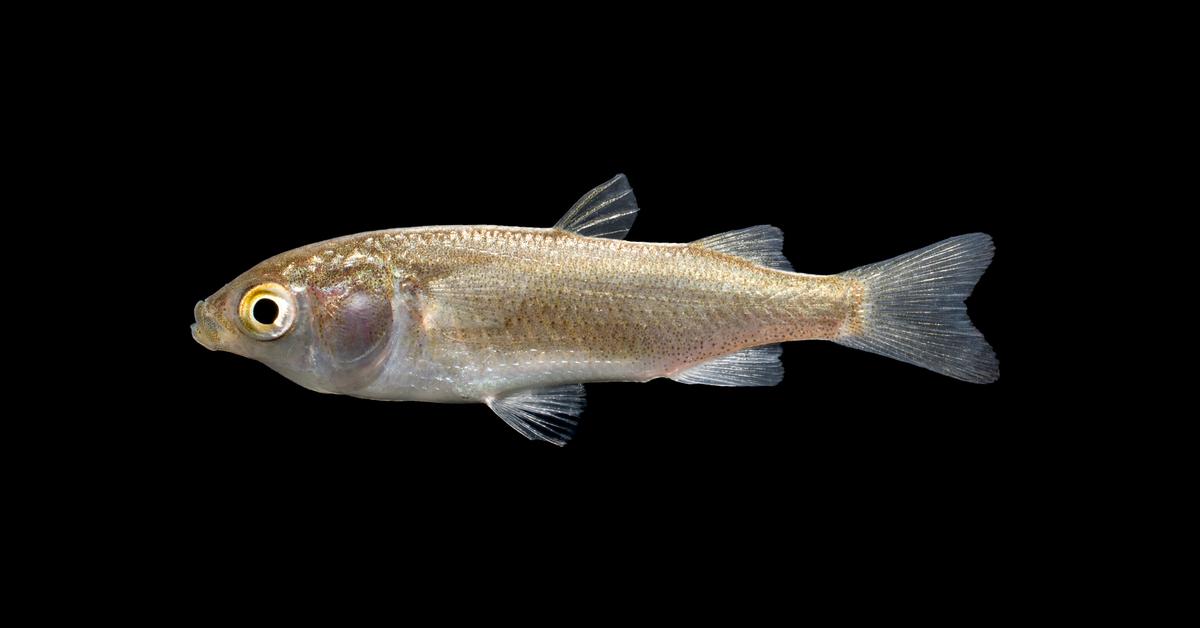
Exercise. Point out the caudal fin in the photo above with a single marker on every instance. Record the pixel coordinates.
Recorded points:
(913, 309)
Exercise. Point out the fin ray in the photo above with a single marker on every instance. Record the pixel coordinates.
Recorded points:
(914, 310)
(761, 244)
(542, 413)
(606, 211)
(758, 366)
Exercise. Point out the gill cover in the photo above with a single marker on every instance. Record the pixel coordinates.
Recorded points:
(352, 321)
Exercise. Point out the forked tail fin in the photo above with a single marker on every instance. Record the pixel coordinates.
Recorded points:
(913, 310)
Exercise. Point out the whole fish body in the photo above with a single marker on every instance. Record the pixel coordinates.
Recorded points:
(518, 318)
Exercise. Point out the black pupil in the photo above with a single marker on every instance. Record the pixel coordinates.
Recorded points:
(265, 311)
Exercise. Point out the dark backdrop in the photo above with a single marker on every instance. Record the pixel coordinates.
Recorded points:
(856, 159)
(847, 186)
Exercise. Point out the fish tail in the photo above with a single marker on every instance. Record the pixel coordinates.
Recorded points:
(912, 309)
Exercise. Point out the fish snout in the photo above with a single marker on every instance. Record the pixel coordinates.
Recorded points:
(207, 330)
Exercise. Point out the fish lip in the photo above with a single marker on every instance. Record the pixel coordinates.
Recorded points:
(198, 338)
(206, 335)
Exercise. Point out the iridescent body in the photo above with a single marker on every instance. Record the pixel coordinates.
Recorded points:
(485, 313)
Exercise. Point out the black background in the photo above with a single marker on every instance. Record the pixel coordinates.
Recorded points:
(829, 391)
(857, 152)
(847, 185)
(838, 212)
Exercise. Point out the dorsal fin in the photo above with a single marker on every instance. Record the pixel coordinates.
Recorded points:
(762, 244)
(607, 211)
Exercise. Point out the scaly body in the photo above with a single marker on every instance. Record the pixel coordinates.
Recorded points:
(514, 316)
(491, 309)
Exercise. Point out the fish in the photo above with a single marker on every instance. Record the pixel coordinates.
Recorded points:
(520, 318)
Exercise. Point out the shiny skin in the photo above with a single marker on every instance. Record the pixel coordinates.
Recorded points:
(464, 313)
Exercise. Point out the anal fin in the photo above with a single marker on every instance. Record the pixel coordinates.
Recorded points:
(758, 366)
(542, 413)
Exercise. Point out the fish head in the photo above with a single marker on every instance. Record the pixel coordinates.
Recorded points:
(326, 327)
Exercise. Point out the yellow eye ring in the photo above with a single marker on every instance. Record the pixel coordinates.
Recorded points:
(269, 324)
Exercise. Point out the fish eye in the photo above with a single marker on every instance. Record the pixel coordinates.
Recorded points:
(267, 311)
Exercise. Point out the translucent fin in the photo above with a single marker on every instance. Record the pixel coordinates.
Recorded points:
(759, 366)
(913, 309)
(542, 413)
(762, 245)
(607, 211)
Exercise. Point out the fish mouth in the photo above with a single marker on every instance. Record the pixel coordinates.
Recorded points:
(206, 330)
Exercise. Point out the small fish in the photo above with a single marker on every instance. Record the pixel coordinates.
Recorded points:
(519, 318)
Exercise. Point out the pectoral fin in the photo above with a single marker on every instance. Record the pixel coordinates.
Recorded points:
(542, 413)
